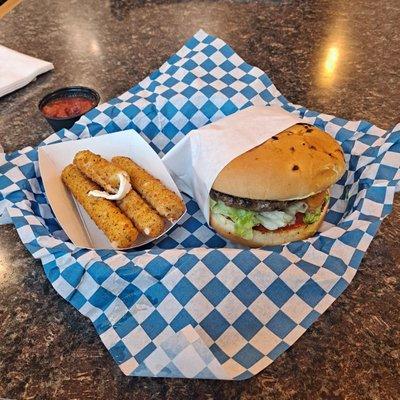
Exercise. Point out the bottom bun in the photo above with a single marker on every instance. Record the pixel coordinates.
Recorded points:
(225, 228)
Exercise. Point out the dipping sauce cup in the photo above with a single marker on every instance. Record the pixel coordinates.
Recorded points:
(63, 107)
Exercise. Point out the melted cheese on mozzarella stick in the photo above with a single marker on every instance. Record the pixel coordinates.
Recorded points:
(118, 228)
(164, 201)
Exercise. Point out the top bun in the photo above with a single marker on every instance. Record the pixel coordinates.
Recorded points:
(296, 163)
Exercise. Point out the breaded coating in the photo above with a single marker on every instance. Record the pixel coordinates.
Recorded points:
(163, 200)
(118, 228)
(99, 170)
(142, 215)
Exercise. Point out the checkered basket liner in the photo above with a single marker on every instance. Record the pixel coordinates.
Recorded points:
(192, 305)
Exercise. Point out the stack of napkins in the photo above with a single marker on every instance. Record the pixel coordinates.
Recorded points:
(17, 69)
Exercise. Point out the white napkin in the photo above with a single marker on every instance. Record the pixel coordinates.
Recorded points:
(17, 69)
(198, 158)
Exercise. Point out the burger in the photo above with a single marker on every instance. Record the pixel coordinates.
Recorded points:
(277, 192)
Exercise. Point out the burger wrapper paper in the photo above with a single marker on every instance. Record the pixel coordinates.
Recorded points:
(195, 162)
(191, 304)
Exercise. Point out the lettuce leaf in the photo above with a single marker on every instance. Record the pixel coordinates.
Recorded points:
(312, 216)
(244, 220)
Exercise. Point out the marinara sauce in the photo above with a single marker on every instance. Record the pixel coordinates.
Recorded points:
(67, 107)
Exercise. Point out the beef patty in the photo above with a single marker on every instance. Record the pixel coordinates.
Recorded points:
(249, 204)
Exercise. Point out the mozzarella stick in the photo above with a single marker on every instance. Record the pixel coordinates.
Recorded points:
(163, 200)
(118, 228)
(106, 175)
(142, 215)
(99, 170)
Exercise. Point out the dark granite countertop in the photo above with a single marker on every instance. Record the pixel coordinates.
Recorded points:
(339, 57)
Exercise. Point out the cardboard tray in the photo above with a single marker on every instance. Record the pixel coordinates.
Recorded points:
(73, 219)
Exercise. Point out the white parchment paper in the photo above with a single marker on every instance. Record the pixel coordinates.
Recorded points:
(196, 161)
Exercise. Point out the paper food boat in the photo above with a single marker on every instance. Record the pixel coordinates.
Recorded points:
(73, 219)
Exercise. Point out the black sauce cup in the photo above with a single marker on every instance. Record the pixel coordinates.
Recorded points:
(67, 92)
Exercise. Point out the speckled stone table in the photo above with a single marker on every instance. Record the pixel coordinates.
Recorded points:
(339, 57)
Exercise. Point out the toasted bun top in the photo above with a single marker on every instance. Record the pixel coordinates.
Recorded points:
(298, 162)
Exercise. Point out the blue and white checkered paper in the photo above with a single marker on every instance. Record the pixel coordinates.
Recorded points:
(193, 305)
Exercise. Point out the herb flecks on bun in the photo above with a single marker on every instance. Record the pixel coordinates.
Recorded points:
(277, 192)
